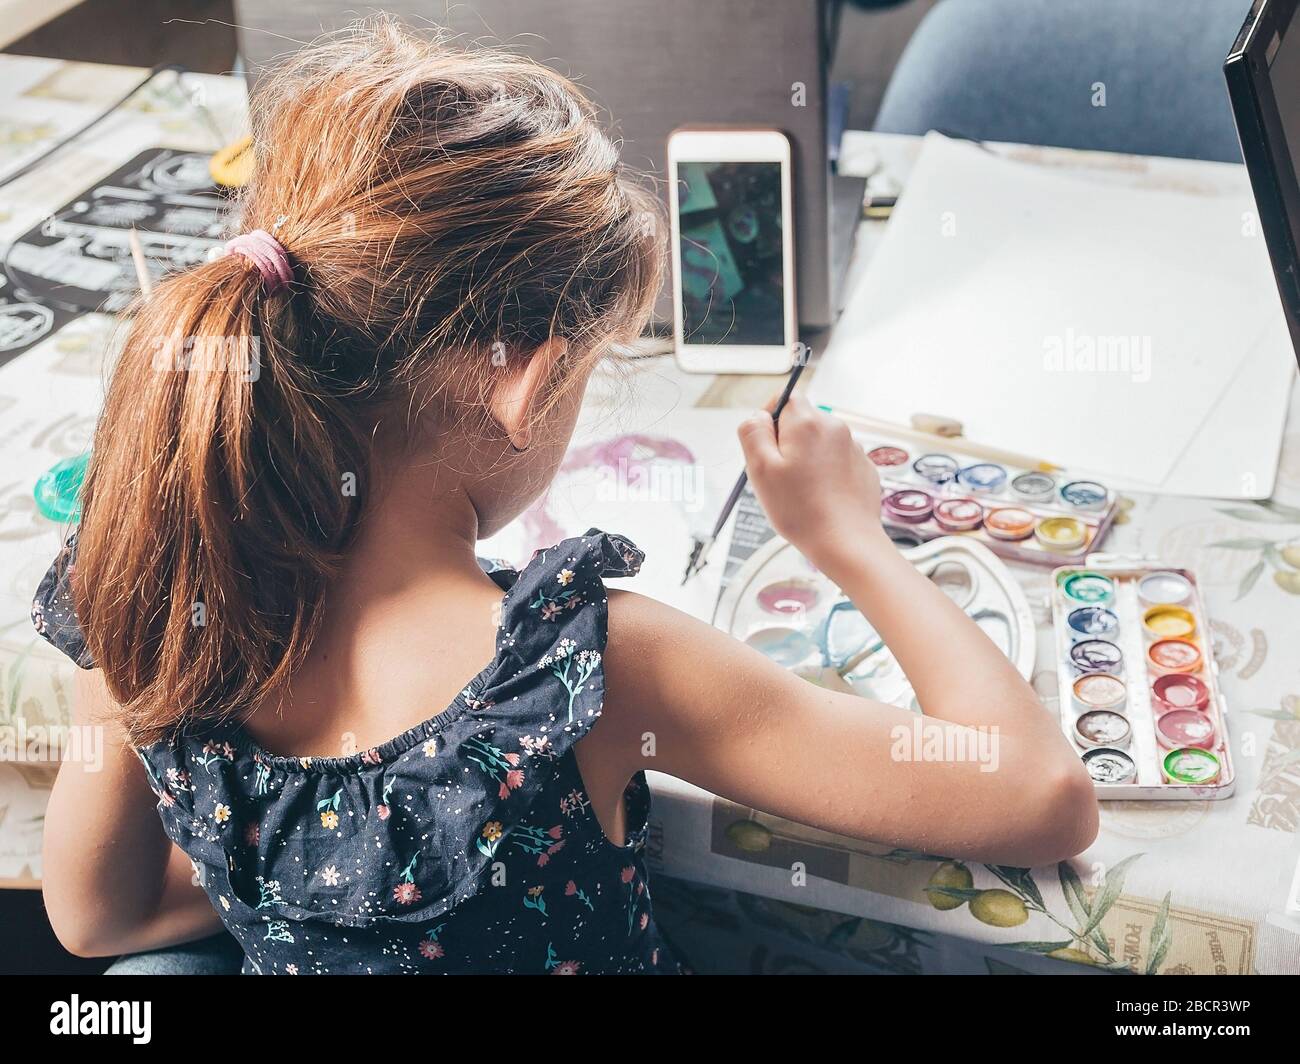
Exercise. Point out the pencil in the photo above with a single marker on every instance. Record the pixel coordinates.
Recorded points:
(141, 266)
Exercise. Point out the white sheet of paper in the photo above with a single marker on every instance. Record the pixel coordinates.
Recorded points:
(1234, 453)
(994, 280)
(657, 476)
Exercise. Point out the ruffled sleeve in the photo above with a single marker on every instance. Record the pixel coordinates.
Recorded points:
(53, 614)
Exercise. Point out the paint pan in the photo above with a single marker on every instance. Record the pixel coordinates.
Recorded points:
(1108, 765)
(1102, 728)
(1164, 589)
(1038, 524)
(1034, 487)
(1088, 589)
(1181, 728)
(887, 456)
(1084, 494)
(959, 515)
(1115, 657)
(1092, 622)
(911, 506)
(1174, 655)
(788, 598)
(1168, 622)
(1010, 522)
(1096, 655)
(1098, 690)
(1177, 691)
(985, 478)
(1190, 765)
(1061, 533)
(936, 468)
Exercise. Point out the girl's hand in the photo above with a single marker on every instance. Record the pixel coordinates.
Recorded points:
(820, 490)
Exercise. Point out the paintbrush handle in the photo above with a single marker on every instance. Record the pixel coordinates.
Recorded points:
(730, 504)
(743, 479)
(957, 443)
(702, 547)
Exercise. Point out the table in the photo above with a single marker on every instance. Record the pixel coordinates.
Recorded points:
(729, 893)
(1230, 869)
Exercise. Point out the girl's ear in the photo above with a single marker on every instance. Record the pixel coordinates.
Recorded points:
(519, 391)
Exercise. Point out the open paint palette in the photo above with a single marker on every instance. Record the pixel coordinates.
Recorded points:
(1139, 691)
(782, 606)
(1022, 514)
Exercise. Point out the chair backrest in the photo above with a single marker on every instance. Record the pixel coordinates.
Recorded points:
(1139, 76)
(653, 65)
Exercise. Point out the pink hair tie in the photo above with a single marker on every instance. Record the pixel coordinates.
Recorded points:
(266, 253)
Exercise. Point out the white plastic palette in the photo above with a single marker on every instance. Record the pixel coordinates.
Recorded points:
(930, 490)
(1152, 605)
(779, 604)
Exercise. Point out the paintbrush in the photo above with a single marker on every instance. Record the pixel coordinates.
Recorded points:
(700, 548)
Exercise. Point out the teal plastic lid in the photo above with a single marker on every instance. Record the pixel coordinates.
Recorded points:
(58, 491)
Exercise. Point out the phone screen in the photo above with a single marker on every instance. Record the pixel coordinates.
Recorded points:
(732, 262)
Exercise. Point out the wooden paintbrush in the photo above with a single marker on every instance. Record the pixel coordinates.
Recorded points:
(700, 548)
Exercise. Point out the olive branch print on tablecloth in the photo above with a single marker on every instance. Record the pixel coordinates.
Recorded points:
(952, 886)
(1282, 555)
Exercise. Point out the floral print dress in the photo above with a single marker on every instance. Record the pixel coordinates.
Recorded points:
(466, 844)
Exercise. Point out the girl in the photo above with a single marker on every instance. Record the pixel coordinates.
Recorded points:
(379, 756)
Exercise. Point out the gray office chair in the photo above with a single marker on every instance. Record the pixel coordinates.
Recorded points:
(1033, 71)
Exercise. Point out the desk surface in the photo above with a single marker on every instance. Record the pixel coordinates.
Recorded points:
(1227, 867)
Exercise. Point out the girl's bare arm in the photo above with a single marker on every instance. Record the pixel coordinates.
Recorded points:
(113, 882)
(719, 714)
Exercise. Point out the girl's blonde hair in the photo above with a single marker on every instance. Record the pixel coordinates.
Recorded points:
(441, 207)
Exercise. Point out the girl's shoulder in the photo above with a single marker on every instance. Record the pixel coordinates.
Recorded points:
(444, 792)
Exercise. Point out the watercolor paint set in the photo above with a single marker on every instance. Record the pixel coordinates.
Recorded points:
(778, 603)
(1139, 690)
(1022, 514)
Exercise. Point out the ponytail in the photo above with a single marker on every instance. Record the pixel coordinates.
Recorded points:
(438, 205)
(213, 514)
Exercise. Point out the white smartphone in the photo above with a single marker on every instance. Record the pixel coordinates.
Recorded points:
(733, 250)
